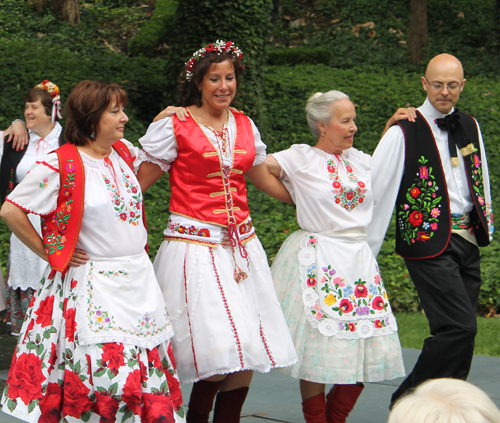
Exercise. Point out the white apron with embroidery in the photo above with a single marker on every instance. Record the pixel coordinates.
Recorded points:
(326, 277)
(121, 301)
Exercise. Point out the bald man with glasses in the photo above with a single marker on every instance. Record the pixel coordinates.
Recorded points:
(435, 171)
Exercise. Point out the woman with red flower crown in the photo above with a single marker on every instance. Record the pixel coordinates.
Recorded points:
(211, 266)
(95, 344)
(342, 324)
(25, 268)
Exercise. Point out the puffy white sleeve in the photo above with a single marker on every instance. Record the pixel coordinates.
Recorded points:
(260, 147)
(387, 171)
(38, 191)
(159, 144)
(286, 160)
(486, 184)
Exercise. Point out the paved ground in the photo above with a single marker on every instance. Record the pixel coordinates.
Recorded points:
(275, 398)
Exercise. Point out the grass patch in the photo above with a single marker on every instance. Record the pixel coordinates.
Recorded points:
(413, 329)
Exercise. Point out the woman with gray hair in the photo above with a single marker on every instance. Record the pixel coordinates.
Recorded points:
(325, 274)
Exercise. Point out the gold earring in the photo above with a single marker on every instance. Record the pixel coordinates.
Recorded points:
(323, 134)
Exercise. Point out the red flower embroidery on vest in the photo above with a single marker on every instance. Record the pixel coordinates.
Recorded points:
(416, 218)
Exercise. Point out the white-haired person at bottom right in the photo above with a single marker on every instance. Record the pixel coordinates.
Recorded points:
(445, 401)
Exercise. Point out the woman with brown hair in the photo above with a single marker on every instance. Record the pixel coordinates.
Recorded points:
(211, 267)
(95, 342)
(25, 269)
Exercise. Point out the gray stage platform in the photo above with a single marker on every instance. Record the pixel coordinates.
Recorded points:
(276, 398)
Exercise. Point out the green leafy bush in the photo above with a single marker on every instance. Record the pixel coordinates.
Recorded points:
(155, 31)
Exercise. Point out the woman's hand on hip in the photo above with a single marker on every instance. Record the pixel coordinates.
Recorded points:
(80, 258)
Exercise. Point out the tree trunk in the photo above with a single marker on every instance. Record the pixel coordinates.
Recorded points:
(417, 39)
(69, 9)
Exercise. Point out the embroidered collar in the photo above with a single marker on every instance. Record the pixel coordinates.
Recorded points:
(343, 156)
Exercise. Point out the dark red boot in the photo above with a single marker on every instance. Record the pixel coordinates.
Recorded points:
(340, 401)
(201, 401)
(228, 405)
(314, 409)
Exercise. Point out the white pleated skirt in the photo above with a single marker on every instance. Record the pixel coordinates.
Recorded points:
(222, 326)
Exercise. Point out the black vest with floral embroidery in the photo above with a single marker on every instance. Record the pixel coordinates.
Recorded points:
(423, 220)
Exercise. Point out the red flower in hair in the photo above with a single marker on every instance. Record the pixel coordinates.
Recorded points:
(210, 48)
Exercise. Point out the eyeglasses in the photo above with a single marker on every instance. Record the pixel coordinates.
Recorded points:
(436, 86)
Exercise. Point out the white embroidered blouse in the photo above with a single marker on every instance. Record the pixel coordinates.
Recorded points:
(113, 202)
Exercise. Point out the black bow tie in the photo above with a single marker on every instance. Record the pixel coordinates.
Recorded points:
(456, 136)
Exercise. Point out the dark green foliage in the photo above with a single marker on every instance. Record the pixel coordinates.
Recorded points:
(104, 27)
(361, 32)
(245, 22)
(299, 56)
(155, 31)
(23, 65)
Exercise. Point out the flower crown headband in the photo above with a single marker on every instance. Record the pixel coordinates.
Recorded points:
(53, 90)
(219, 47)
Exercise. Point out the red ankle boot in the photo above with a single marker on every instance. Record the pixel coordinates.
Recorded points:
(228, 405)
(314, 409)
(201, 401)
(340, 401)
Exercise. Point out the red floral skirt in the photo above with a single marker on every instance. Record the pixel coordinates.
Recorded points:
(52, 377)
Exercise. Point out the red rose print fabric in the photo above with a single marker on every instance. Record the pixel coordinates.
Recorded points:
(52, 377)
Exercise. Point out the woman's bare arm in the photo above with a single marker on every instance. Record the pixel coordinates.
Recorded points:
(148, 174)
(266, 182)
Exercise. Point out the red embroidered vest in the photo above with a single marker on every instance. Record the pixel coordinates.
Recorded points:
(198, 189)
(61, 228)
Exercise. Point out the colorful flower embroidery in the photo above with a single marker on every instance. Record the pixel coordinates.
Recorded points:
(245, 228)
(55, 242)
(146, 324)
(188, 230)
(127, 212)
(347, 198)
(44, 184)
(477, 178)
(109, 273)
(100, 319)
(340, 299)
(418, 219)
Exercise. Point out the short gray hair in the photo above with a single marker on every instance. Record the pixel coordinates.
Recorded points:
(319, 108)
